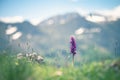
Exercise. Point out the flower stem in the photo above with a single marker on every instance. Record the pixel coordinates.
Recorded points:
(73, 61)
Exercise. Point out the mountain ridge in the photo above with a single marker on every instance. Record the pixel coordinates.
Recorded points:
(54, 33)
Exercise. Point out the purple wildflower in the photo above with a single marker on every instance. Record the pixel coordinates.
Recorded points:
(72, 45)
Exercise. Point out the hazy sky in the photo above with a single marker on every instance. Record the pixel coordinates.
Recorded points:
(39, 9)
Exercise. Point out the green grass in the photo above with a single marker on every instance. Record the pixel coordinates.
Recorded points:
(12, 68)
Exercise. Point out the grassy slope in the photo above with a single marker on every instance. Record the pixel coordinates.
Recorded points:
(22, 69)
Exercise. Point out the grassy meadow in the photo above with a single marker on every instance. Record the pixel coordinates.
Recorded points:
(12, 68)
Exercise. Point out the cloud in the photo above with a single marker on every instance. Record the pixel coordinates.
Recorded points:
(17, 35)
(20, 19)
(103, 15)
(35, 21)
(83, 30)
(13, 19)
(11, 30)
(80, 31)
(95, 18)
(112, 14)
(109, 15)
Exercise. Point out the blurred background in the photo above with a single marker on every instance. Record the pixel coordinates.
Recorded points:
(45, 26)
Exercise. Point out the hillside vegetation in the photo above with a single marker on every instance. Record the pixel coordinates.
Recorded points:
(12, 68)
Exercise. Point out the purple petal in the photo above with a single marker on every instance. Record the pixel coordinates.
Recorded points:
(72, 45)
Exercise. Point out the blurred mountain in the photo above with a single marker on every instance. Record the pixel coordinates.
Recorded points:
(104, 35)
(16, 35)
(54, 32)
(59, 28)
